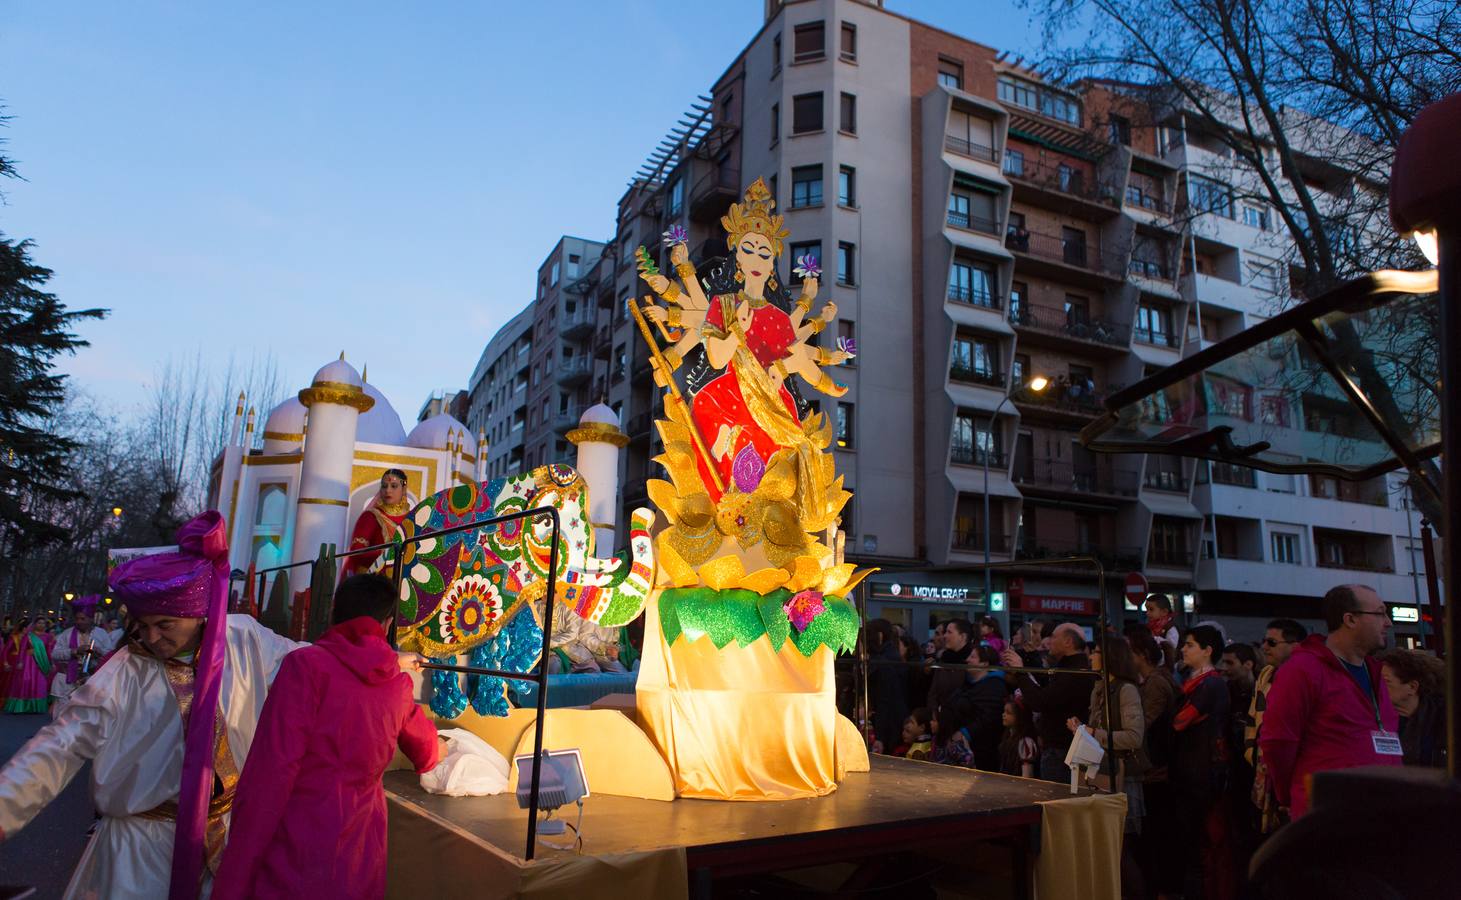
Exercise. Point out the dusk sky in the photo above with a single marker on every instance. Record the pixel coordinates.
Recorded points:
(302, 179)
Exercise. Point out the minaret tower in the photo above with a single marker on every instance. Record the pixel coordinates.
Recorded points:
(335, 399)
(599, 443)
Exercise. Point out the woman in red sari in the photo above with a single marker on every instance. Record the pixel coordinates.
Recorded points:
(378, 522)
(29, 690)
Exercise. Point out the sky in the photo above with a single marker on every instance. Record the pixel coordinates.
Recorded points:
(295, 180)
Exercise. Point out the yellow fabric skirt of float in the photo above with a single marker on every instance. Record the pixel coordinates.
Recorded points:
(740, 723)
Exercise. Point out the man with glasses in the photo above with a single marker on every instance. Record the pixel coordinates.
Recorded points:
(1328, 710)
(1279, 641)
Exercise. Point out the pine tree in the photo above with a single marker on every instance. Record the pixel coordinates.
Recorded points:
(35, 328)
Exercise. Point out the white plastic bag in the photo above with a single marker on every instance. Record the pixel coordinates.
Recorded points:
(472, 768)
(1085, 753)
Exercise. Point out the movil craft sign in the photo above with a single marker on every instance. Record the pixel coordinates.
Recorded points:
(929, 593)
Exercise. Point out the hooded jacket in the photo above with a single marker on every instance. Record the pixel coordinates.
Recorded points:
(1319, 719)
(309, 820)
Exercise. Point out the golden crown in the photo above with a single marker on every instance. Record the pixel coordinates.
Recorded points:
(754, 216)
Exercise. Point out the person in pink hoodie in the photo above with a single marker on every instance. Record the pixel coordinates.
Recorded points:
(309, 818)
(1328, 708)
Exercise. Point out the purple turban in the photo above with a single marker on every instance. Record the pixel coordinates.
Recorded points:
(85, 604)
(191, 583)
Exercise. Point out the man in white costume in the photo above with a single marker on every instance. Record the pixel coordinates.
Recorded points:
(167, 722)
(78, 651)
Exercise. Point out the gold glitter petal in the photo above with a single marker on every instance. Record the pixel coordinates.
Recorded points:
(723, 573)
(763, 581)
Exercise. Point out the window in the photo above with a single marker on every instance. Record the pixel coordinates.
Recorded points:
(1229, 398)
(807, 248)
(973, 441)
(1154, 325)
(1020, 369)
(950, 73)
(843, 432)
(846, 263)
(1073, 245)
(553, 274)
(1077, 310)
(1119, 130)
(806, 113)
(677, 196)
(849, 114)
(1274, 411)
(1285, 547)
(974, 359)
(809, 42)
(1018, 292)
(849, 42)
(971, 284)
(775, 56)
(806, 186)
(847, 186)
(959, 210)
(1169, 543)
(1048, 102)
(847, 331)
(1264, 274)
(970, 135)
(1210, 196)
(775, 123)
(1020, 93)
(1014, 162)
(1255, 216)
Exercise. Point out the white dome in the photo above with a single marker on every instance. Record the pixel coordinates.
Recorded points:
(338, 372)
(432, 434)
(600, 413)
(380, 424)
(284, 429)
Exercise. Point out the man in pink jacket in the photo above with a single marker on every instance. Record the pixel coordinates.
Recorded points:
(1328, 708)
(309, 821)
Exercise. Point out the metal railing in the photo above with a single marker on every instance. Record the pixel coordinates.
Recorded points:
(1227, 473)
(575, 371)
(1059, 249)
(961, 372)
(1139, 198)
(1147, 268)
(1035, 549)
(970, 149)
(965, 455)
(1067, 398)
(1070, 323)
(1061, 179)
(1064, 475)
(1166, 481)
(985, 298)
(972, 539)
(1165, 556)
(970, 222)
(1359, 565)
(1158, 338)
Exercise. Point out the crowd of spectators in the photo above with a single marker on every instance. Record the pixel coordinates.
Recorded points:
(1214, 739)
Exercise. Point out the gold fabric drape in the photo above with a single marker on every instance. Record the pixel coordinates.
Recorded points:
(740, 723)
(1080, 848)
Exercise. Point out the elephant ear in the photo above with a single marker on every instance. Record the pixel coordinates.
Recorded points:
(622, 603)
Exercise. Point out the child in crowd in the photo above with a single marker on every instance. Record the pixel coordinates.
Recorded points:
(1019, 752)
(917, 743)
(310, 816)
(953, 745)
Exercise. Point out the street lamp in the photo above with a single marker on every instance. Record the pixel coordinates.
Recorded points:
(1037, 384)
(116, 512)
(68, 595)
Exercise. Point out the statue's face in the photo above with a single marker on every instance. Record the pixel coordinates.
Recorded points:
(755, 259)
(392, 489)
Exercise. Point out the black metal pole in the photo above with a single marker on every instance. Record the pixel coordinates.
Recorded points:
(1431, 636)
(542, 687)
(1449, 246)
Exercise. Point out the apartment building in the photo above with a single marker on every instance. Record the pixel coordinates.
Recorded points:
(983, 234)
(497, 396)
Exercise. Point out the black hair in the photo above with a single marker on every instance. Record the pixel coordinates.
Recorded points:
(1144, 645)
(396, 472)
(366, 594)
(1340, 600)
(993, 623)
(987, 655)
(1161, 600)
(879, 634)
(1244, 652)
(1119, 661)
(1208, 638)
(922, 715)
(963, 627)
(1291, 630)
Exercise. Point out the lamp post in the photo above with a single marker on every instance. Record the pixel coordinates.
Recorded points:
(1037, 384)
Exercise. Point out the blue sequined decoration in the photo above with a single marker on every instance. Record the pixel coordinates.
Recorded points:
(515, 648)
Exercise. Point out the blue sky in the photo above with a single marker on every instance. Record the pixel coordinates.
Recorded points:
(305, 178)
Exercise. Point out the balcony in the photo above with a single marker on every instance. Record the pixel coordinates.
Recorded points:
(1059, 180)
(1136, 198)
(1063, 252)
(968, 222)
(1070, 325)
(568, 419)
(1063, 400)
(970, 149)
(1169, 557)
(1165, 481)
(971, 541)
(578, 323)
(1238, 476)
(1063, 476)
(1154, 337)
(964, 455)
(573, 372)
(604, 342)
(1112, 558)
(975, 297)
(960, 372)
(1145, 268)
(714, 193)
(1356, 565)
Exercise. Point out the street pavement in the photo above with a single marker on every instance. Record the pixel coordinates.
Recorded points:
(45, 851)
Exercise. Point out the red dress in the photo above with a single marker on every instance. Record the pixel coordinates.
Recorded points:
(373, 527)
(309, 818)
(720, 403)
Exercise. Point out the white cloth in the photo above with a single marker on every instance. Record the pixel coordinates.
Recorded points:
(472, 767)
(125, 720)
(96, 638)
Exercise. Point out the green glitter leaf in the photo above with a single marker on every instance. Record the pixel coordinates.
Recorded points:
(669, 617)
(773, 617)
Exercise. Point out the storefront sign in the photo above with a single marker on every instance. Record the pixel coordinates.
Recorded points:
(927, 593)
(1405, 613)
(1071, 606)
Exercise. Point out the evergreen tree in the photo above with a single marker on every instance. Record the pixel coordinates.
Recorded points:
(35, 328)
